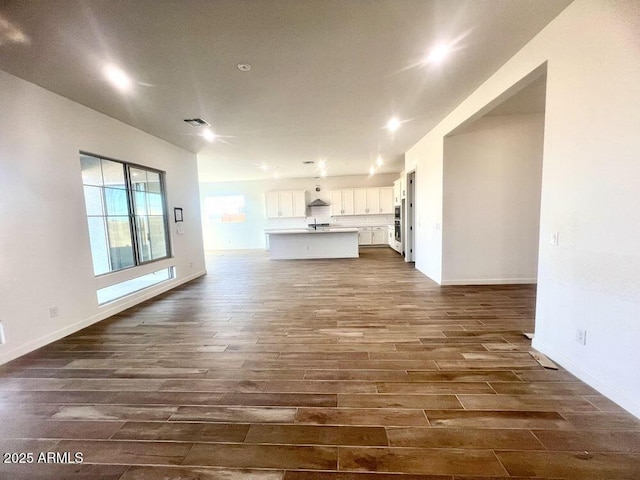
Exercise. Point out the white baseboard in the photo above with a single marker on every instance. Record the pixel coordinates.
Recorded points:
(490, 281)
(106, 311)
(632, 405)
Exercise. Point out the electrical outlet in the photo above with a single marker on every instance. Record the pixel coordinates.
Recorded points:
(53, 311)
(555, 239)
(581, 336)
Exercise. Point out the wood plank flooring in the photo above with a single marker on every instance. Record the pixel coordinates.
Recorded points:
(359, 369)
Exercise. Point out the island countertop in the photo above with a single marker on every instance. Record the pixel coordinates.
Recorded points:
(289, 231)
(325, 242)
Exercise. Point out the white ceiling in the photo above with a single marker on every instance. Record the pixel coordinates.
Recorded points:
(326, 74)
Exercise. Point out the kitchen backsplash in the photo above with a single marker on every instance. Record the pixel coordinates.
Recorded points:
(323, 215)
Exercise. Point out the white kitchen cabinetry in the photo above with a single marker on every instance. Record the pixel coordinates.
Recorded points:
(373, 200)
(342, 202)
(386, 200)
(372, 236)
(303, 243)
(362, 201)
(378, 235)
(364, 236)
(397, 192)
(367, 201)
(273, 205)
(286, 204)
(299, 203)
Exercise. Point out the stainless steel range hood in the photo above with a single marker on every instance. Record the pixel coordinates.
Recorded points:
(318, 203)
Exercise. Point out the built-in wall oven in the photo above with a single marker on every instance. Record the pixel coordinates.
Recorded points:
(398, 224)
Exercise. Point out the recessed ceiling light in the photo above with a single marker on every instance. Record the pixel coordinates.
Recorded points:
(438, 54)
(264, 167)
(244, 67)
(393, 124)
(208, 135)
(379, 161)
(118, 78)
(372, 170)
(11, 33)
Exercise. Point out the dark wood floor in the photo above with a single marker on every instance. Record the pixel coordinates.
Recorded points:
(339, 369)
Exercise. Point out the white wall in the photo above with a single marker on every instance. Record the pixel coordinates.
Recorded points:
(250, 234)
(45, 256)
(590, 185)
(491, 211)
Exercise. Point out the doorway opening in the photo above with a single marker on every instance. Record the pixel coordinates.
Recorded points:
(492, 186)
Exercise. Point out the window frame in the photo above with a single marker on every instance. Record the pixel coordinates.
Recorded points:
(137, 257)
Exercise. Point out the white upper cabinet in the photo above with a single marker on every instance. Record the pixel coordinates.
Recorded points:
(397, 192)
(285, 201)
(386, 200)
(336, 202)
(362, 201)
(273, 205)
(373, 200)
(348, 202)
(299, 203)
(342, 202)
(286, 204)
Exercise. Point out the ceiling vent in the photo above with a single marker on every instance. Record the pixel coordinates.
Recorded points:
(308, 162)
(196, 122)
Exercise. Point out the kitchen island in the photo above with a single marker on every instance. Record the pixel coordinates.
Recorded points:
(309, 243)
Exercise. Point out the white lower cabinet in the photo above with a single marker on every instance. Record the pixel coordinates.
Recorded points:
(364, 236)
(378, 235)
(372, 236)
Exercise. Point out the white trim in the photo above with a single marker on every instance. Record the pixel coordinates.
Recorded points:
(105, 311)
(131, 273)
(491, 281)
(605, 388)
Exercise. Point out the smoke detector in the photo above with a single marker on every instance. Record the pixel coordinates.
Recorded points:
(244, 67)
